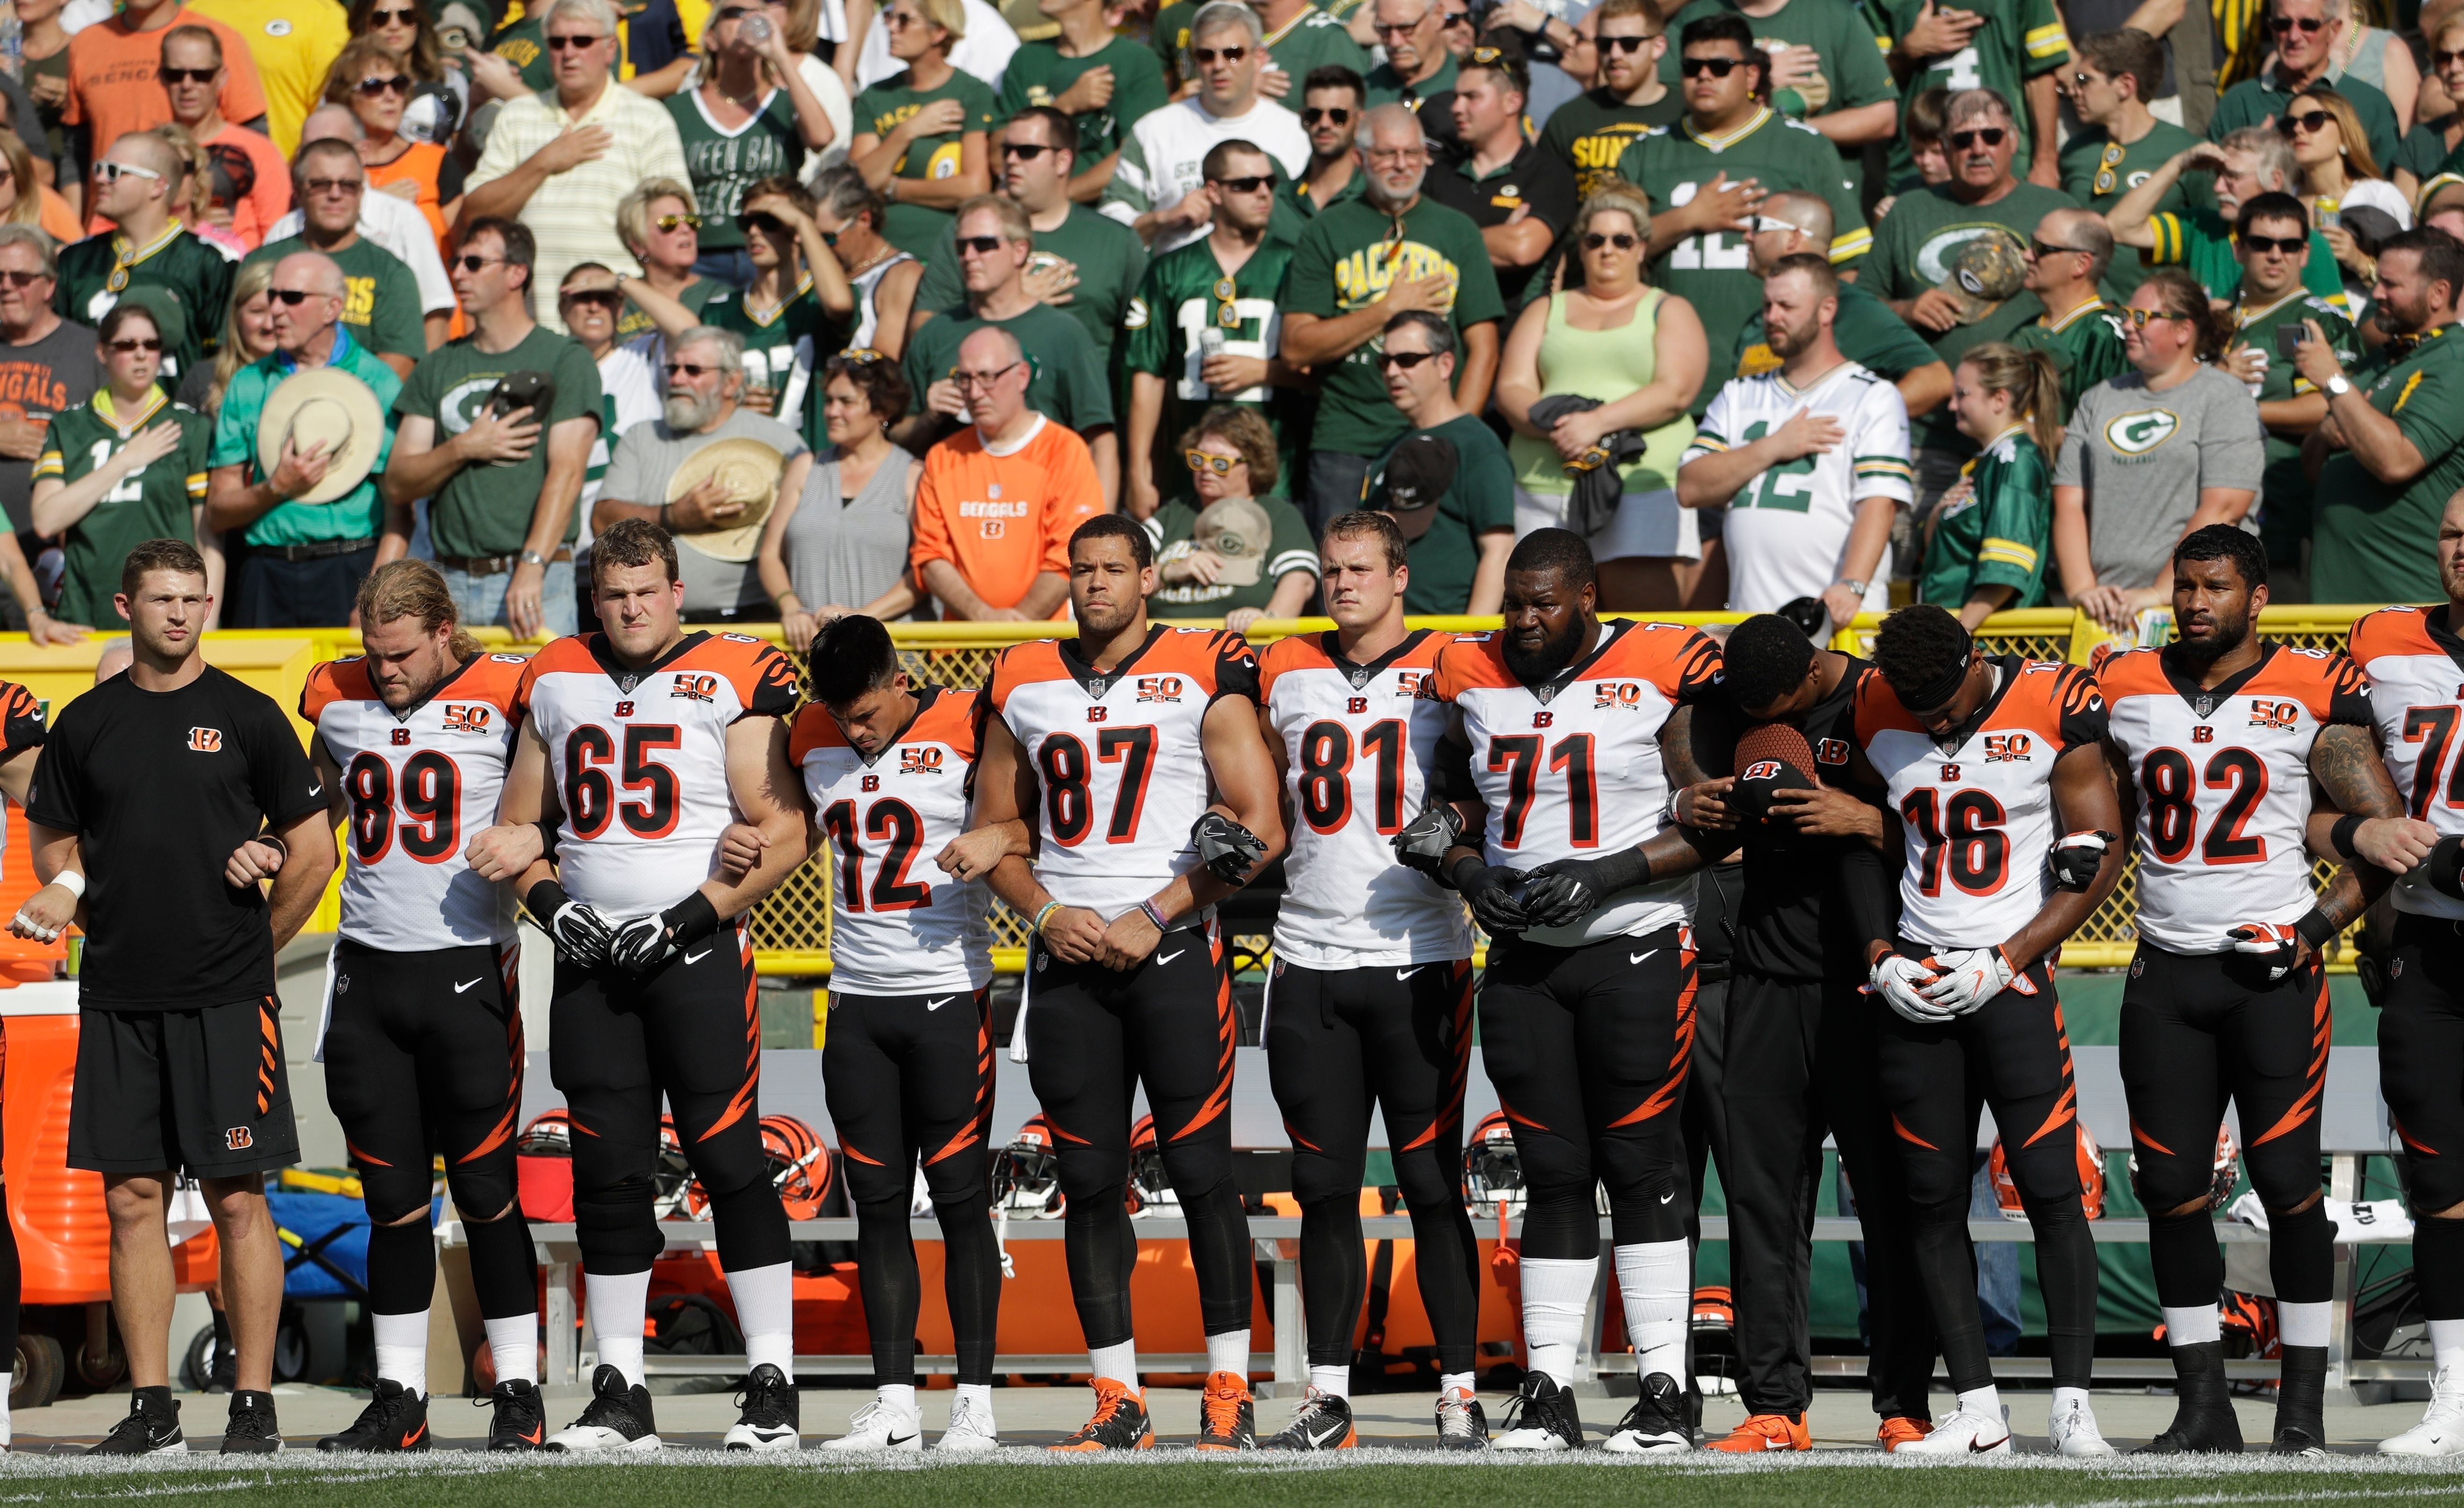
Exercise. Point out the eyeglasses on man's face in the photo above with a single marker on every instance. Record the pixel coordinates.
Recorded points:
(982, 380)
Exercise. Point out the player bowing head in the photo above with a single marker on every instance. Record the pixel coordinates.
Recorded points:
(410, 637)
(855, 675)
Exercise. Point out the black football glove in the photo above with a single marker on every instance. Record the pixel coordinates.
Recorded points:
(1495, 893)
(2444, 868)
(1228, 850)
(645, 942)
(1564, 890)
(2076, 857)
(1424, 840)
(580, 934)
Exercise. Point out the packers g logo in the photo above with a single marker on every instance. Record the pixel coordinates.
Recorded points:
(205, 740)
(2137, 434)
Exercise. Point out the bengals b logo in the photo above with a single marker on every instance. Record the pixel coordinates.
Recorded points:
(205, 740)
(238, 1139)
(1761, 770)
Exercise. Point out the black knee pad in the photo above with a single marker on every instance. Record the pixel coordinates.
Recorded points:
(616, 1228)
(484, 1189)
(1199, 1168)
(959, 1177)
(2431, 1184)
(2281, 1175)
(1317, 1177)
(395, 1193)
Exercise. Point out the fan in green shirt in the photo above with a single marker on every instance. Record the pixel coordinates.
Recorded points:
(358, 513)
(2078, 330)
(725, 163)
(888, 145)
(1107, 254)
(1307, 41)
(382, 309)
(486, 508)
(2261, 101)
(2289, 404)
(1477, 503)
(2019, 42)
(1590, 132)
(1186, 293)
(2085, 345)
(155, 500)
(184, 282)
(1987, 546)
(785, 347)
(1046, 72)
(1431, 98)
(2370, 541)
(2120, 144)
(1850, 74)
(1067, 384)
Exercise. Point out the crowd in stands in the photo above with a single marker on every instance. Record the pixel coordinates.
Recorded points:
(1824, 302)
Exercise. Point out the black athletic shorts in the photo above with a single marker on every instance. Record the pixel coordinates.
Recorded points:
(910, 1079)
(201, 1091)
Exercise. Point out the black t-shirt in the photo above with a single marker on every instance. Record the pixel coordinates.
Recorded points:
(1784, 931)
(1535, 179)
(160, 787)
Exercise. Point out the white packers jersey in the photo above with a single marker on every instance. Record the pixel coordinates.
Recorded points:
(2415, 664)
(421, 782)
(1358, 741)
(1578, 772)
(1978, 816)
(1118, 759)
(639, 759)
(1787, 530)
(2223, 780)
(898, 925)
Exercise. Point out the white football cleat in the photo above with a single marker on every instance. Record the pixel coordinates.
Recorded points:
(880, 1425)
(971, 1429)
(2074, 1433)
(2441, 1430)
(1963, 1433)
(1655, 1424)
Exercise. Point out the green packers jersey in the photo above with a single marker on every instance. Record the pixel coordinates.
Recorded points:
(878, 110)
(1672, 162)
(185, 281)
(2098, 170)
(1590, 132)
(1109, 255)
(2368, 545)
(2284, 495)
(2019, 40)
(150, 503)
(634, 323)
(2202, 241)
(2085, 345)
(1313, 39)
(1040, 74)
(724, 165)
(1187, 293)
(1852, 68)
(1169, 39)
(2000, 534)
(783, 352)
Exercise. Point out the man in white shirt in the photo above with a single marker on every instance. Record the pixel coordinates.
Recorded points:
(1157, 187)
(1811, 461)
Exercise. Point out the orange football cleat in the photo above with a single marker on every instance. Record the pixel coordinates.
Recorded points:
(1766, 1432)
(1899, 1430)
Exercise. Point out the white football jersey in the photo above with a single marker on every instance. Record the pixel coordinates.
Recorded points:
(639, 759)
(420, 782)
(1577, 773)
(2415, 664)
(1787, 530)
(898, 925)
(1978, 816)
(1358, 741)
(2223, 780)
(1118, 758)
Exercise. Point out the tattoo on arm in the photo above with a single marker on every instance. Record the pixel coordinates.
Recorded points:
(1695, 742)
(2351, 891)
(2344, 760)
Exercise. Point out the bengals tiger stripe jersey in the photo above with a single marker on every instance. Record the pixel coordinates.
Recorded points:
(420, 782)
(639, 759)
(1117, 756)
(1573, 770)
(898, 925)
(2223, 782)
(2415, 663)
(1978, 816)
(1359, 742)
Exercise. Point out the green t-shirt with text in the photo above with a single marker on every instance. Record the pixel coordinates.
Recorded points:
(1069, 385)
(724, 164)
(878, 111)
(486, 509)
(1590, 132)
(1186, 292)
(1109, 255)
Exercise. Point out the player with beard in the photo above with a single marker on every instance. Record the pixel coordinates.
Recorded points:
(1136, 729)
(1799, 1047)
(1371, 992)
(1573, 735)
(2230, 751)
(1994, 766)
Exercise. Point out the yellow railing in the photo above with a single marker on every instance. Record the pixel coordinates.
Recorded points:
(791, 929)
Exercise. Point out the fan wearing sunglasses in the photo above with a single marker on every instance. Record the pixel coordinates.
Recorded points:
(1461, 525)
(2338, 174)
(1157, 188)
(2248, 163)
(1589, 132)
(2119, 141)
(1521, 197)
(1420, 67)
(921, 134)
(383, 309)
(2012, 48)
(1104, 83)
(752, 115)
(2303, 35)
(1332, 100)
(2069, 256)
(256, 177)
(136, 186)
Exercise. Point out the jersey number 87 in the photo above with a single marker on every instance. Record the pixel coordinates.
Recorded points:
(1069, 807)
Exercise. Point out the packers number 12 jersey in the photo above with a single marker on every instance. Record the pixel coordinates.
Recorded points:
(1358, 741)
(1978, 816)
(1118, 756)
(639, 759)
(1573, 770)
(2223, 780)
(898, 925)
(2415, 663)
(420, 782)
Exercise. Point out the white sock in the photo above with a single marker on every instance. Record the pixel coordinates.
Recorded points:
(402, 1349)
(2064, 1398)
(1556, 1296)
(1119, 1363)
(1985, 1403)
(1448, 1382)
(1229, 1352)
(618, 1305)
(765, 1310)
(980, 1395)
(6, 1438)
(2446, 1344)
(2195, 1326)
(1652, 1278)
(514, 1342)
(2302, 1323)
(901, 1397)
(1333, 1380)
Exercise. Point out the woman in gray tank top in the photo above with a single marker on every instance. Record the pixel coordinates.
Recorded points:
(840, 546)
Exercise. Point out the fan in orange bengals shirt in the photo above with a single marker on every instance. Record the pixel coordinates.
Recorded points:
(999, 500)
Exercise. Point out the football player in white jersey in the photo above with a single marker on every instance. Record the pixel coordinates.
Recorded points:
(1371, 1003)
(1572, 736)
(1110, 744)
(1993, 767)
(890, 770)
(1810, 461)
(2226, 747)
(423, 1043)
(640, 746)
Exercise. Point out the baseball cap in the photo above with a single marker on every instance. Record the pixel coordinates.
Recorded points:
(1419, 474)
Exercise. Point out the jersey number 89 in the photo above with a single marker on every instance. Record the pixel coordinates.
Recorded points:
(428, 818)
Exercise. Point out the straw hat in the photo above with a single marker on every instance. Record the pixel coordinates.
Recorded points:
(748, 471)
(324, 406)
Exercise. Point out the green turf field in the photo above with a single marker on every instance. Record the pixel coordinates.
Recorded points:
(688, 1479)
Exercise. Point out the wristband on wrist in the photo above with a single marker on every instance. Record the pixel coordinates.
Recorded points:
(2315, 927)
(548, 839)
(1043, 914)
(690, 920)
(1454, 876)
(71, 881)
(1154, 913)
(2341, 835)
(543, 901)
(275, 844)
(1668, 814)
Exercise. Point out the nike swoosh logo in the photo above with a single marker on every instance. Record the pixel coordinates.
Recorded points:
(1329, 1434)
(318, 789)
(412, 1438)
(694, 958)
(1635, 959)
(1406, 973)
(1670, 1194)
(935, 1005)
(900, 1439)
(459, 988)
(1165, 958)
(1979, 1447)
